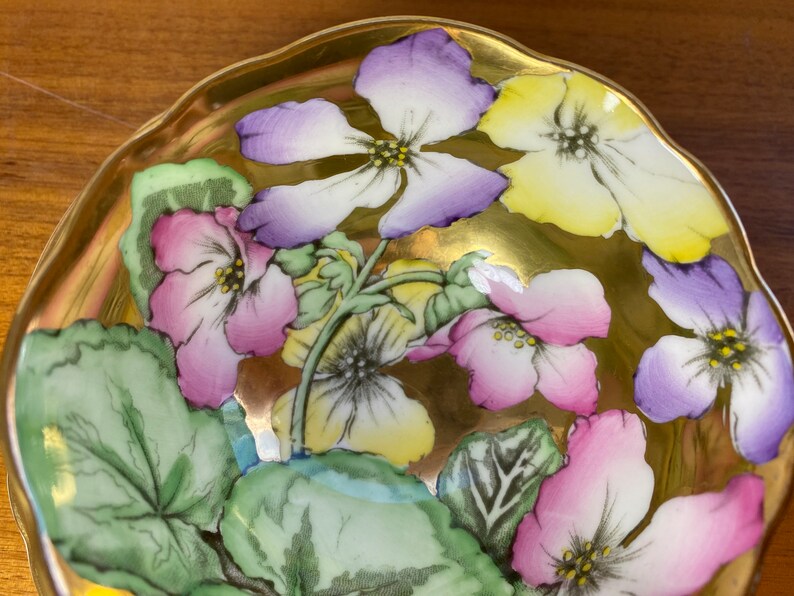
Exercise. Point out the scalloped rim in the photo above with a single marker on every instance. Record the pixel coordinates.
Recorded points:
(46, 575)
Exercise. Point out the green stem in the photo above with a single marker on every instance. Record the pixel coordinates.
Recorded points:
(404, 278)
(299, 405)
(366, 270)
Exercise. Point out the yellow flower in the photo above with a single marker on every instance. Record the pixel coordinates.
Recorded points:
(592, 166)
(351, 403)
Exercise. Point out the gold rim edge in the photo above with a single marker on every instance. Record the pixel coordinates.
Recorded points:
(21, 506)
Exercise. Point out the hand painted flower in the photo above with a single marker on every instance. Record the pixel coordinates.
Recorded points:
(422, 90)
(351, 403)
(592, 166)
(533, 342)
(738, 342)
(572, 539)
(219, 302)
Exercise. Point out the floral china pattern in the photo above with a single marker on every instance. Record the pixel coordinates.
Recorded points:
(143, 475)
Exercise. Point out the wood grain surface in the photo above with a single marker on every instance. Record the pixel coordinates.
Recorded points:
(77, 77)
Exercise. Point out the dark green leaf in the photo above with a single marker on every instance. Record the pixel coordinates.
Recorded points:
(358, 521)
(200, 185)
(338, 241)
(301, 568)
(491, 481)
(387, 582)
(219, 590)
(296, 262)
(124, 474)
(452, 301)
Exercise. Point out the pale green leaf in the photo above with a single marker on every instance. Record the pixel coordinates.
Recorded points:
(452, 301)
(338, 241)
(125, 476)
(458, 272)
(315, 299)
(200, 185)
(351, 521)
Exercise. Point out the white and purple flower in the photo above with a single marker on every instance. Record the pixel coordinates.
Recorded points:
(574, 537)
(532, 342)
(219, 302)
(737, 341)
(422, 91)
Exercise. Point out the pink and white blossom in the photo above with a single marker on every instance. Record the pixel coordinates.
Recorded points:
(220, 301)
(574, 539)
(531, 341)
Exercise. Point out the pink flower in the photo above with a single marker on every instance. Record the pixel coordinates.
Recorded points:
(219, 302)
(533, 342)
(573, 539)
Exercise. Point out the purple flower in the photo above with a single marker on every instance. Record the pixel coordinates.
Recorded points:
(219, 302)
(574, 537)
(533, 342)
(422, 90)
(737, 341)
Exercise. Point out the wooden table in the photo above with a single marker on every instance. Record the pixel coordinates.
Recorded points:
(77, 77)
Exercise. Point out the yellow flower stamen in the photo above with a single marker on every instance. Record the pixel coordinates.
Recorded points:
(730, 333)
(606, 551)
(518, 344)
(497, 336)
(571, 574)
(740, 347)
(714, 363)
(736, 366)
(726, 351)
(567, 555)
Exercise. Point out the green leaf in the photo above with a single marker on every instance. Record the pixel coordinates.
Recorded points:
(339, 275)
(200, 185)
(366, 302)
(303, 578)
(458, 272)
(452, 301)
(296, 262)
(404, 311)
(522, 589)
(219, 590)
(124, 474)
(371, 529)
(388, 582)
(338, 241)
(315, 299)
(491, 481)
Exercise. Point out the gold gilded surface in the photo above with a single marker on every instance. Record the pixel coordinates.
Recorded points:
(81, 274)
